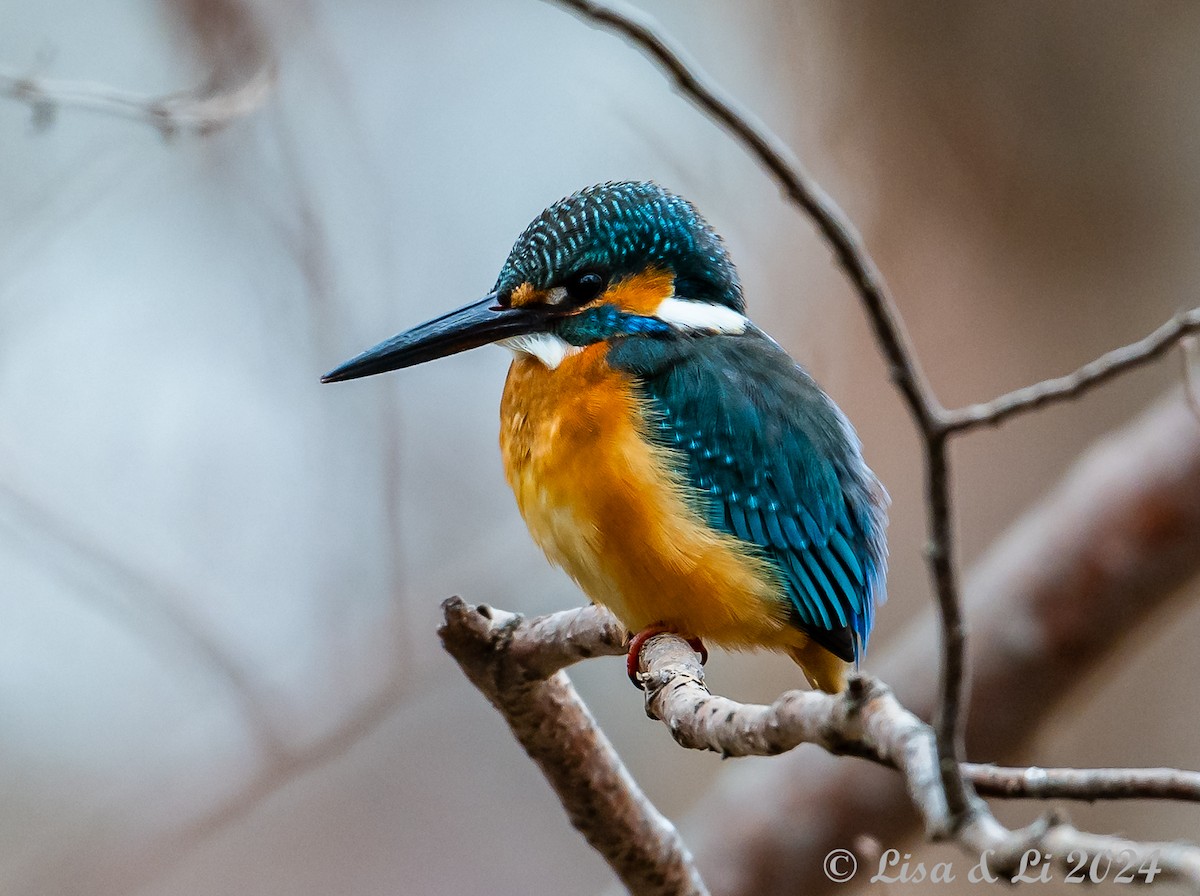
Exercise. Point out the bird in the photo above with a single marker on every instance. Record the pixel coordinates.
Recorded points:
(664, 451)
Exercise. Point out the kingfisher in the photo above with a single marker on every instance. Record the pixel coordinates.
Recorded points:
(664, 451)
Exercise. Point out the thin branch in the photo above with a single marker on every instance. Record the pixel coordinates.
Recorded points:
(559, 734)
(546, 644)
(226, 35)
(926, 411)
(1187, 356)
(1064, 388)
(1088, 784)
(197, 111)
(1178, 861)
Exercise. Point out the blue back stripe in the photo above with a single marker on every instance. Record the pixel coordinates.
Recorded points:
(828, 592)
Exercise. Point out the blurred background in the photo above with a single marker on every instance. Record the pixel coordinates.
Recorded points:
(220, 581)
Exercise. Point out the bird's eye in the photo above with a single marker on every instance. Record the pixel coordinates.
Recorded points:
(584, 287)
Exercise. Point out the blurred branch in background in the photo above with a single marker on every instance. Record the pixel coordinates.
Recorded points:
(157, 611)
(200, 110)
(1187, 359)
(161, 613)
(243, 75)
(277, 770)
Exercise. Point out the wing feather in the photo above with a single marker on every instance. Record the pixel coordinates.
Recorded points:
(773, 462)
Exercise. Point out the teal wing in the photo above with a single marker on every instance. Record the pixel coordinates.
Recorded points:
(775, 463)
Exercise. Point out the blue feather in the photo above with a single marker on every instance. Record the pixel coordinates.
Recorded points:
(830, 595)
(778, 539)
(774, 463)
(807, 596)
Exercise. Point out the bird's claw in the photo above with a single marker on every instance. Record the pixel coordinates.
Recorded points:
(638, 641)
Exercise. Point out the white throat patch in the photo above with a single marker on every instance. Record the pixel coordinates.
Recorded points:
(700, 317)
(546, 347)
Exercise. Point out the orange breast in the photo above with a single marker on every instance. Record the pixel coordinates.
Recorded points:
(601, 501)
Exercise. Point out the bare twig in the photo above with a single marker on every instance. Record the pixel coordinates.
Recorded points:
(225, 33)
(546, 644)
(560, 735)
(194, 111)
(1187, 356)
(1073, 385)
(1177, 861)
(1088, 784)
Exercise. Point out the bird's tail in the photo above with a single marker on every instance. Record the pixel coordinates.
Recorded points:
(823, 670)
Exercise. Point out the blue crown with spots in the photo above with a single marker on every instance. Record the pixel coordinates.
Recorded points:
(618, 229)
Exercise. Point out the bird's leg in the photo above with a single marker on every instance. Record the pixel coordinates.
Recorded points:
(633, 657)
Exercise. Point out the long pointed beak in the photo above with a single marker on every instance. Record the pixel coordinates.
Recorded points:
(469, 327)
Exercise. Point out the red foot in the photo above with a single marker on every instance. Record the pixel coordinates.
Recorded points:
(633, 657)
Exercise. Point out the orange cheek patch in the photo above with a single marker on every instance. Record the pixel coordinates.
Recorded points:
(525, 294)
(642, 293)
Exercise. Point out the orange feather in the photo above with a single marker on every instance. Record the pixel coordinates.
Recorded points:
(602, 502)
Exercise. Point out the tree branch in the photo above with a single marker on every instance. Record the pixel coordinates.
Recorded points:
(1090, 375)
(516, 664)
(193, 111)
(243, 78)
(1088, 784)
(865, 720)
(1187, 353)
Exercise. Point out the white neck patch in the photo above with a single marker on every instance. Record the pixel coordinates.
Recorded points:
(546, 347)
(700, 317)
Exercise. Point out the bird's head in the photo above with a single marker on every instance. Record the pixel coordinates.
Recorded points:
(614, 260)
